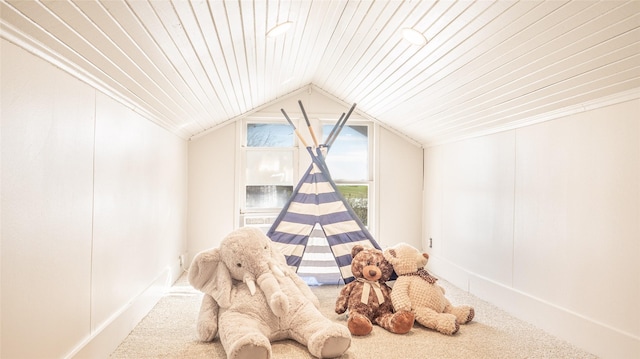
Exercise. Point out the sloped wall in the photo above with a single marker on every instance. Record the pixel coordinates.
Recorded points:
(399, 179)
(93, 213)
(212, 179)
(543, 221)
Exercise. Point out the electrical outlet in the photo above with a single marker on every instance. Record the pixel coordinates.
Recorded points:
(430, 242)
(181, 258)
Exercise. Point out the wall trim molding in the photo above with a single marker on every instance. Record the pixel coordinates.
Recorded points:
(36, 48)
(614, 99)
(107, 337)
(248, 113)
(357, 114)
(594, 336)
(365, 115)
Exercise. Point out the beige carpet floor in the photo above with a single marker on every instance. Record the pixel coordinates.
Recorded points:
(168, 331)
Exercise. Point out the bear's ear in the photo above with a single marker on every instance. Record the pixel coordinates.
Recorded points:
(390, 255)
(423, 259)
(393, 256)
(356, 249)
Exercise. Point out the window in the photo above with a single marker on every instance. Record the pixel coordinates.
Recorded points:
(269, 135)
(269, 178)
(268, 165)
(348, 162)
(272, 164)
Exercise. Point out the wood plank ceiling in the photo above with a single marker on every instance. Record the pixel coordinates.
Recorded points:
(192, 65)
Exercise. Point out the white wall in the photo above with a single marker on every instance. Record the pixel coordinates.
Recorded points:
(544, 221)
(212, 188)
(400, 191)
(93, 213)
(212, 177)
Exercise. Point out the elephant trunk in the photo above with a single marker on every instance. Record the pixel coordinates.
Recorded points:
(278, 301)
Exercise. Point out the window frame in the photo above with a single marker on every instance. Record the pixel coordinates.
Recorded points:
(369, 182)
(242, 162)
(301, 161)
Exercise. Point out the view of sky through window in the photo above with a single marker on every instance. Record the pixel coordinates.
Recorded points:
(348, 158)
(269, 135)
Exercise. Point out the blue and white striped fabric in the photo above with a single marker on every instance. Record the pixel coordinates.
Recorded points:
(318, 266)
(316, 200)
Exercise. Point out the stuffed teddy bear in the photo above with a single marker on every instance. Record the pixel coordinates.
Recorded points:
(416, 290)
(251, 298)
(368, 297)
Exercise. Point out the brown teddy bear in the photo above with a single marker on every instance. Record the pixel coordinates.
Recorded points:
(416, 290)
(368, 297)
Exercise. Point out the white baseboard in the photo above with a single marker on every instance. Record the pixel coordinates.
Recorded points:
(585, 333)
(104, 340)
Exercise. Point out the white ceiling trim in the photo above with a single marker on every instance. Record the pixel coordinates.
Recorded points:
(625, 96)
(249, 113)
(17, 36)
(192, 65)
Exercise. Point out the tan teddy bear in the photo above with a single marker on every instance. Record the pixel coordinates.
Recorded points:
(416, 290)
(367, 297)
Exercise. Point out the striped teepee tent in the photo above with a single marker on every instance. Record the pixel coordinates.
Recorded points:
(316, 202)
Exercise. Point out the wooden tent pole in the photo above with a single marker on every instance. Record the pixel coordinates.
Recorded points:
(295, 130)
(333, 130)
(304, 113)
(329, 143)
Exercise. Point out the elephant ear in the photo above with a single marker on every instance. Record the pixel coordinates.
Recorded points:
(210, 275)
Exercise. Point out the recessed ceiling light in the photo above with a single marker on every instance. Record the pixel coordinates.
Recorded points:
(279, 29)
(414, 36)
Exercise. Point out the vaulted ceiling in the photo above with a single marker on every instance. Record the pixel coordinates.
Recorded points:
(487, 65)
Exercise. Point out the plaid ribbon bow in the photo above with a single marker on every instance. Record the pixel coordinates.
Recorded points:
(424, 275)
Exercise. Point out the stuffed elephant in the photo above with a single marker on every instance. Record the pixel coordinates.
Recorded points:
(251, 298)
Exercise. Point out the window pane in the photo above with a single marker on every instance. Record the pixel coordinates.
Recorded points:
(269, 167)
(348, 157)
(268, 196)
(358, 198)
(269, 135)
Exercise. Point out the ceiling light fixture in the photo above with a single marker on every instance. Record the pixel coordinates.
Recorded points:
(415, 37)
(279, 29)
